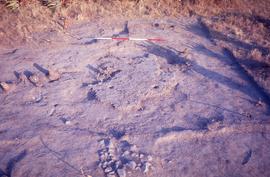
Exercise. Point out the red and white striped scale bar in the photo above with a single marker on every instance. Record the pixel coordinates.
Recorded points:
(130, 39)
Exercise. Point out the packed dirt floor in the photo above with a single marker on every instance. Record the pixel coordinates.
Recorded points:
(74, 106)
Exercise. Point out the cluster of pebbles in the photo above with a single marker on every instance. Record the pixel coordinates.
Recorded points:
(34, 78)
(123, 159)
(103, 72)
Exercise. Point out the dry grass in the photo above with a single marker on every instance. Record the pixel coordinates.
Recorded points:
(236, 17)
(12, 4)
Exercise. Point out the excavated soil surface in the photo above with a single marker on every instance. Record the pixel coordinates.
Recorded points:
(75, 106)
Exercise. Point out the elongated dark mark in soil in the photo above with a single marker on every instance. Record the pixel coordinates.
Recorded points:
(247, 157)
(12, 52)
(219, 107)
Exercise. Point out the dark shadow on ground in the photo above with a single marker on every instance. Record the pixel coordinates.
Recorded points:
(173, 58)
(229, 59)
(2, 173)
(241, 63)
(201, 29)
(93, 41)
(17, 75)
(165, 131)
(201, 124)
(264, 21)
(13, 162)
(28, 73)
(41, 69)
(249, 62)
(171, 55)
(117, 134)
(125, 31)
(239, 44)
(253, 18)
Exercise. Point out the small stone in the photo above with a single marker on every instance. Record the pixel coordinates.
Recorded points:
(112, 173)
(22, 78)
(126, 153)
(34, 79)
(155, 86)
(118, 164)
(51, 112)
(141, 156)
(6, 87)
(111, 152)
(108, 169)
(146, 167)
(169, 161)
(132, 165)
(111, 146)
(67, 122)
(106, 154)
(259, 103)
(138, 168)
(100, 165)
(53, 75)
(110, 162)
(134, 154)
(102, 157)
(256, 54)
(133, 148)
(37, 98)
(104, 165)
(102, 142)
(121, 172)
(110, 157)
(102, 151)
(149, 158)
